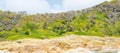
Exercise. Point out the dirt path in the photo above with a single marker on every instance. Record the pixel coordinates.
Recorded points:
(66, 44)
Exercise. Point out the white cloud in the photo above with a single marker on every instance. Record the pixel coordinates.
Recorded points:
(42, 6)
(1, 4)
(56, 8)
(31, 6)
(80, 4)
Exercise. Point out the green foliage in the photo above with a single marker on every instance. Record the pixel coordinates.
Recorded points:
(98, 22)
(27, 33)
(30, 26)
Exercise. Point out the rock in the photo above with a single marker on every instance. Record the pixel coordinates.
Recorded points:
(78, 50)
(118, 52)
(19, 42)
(1, 51)
(108, 51)
(4, 51)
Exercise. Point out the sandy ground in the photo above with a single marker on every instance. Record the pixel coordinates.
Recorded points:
(66, 44)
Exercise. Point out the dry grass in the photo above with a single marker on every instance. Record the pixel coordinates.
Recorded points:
(60, 45)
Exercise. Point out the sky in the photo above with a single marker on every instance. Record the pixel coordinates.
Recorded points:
(47, 6)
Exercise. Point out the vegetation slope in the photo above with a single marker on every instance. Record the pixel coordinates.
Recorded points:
(100, 20)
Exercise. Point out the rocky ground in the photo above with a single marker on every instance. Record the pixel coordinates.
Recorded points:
(66, 44)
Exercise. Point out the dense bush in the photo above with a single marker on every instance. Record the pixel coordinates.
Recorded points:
(101, 20)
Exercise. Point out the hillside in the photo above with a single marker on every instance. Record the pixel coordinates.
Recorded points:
(100, 20)
(91, 30)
